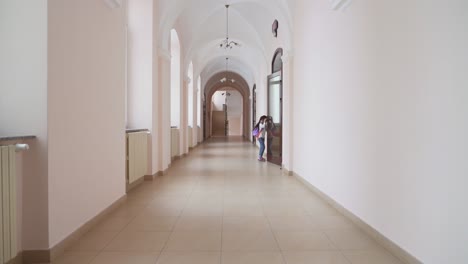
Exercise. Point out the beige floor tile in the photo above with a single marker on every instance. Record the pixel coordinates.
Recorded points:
(93, 241)
(252, 258)
(254, 240)
(314, 257)
(303, 241)
(199, 223)
(138, 242)
(149, 222)
(125, 258)
(332, 222)
(128, 211)
(75, 258)
(245, 223)
(371, 257)
(194, 241)
(243, 210)
(112, 224)
(163, 210)
(351, 239)
(284, 210)
(189, 258)
(174, 201)
(245, 200)
(292, 223)
(203, 209)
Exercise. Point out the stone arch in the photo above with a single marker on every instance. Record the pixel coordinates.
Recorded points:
(241, 86)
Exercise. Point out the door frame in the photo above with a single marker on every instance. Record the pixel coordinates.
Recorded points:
(277, 70)
(280, 82)
(254, 111)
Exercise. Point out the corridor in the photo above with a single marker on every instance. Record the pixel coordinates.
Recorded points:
(363, 104)
(220, 205)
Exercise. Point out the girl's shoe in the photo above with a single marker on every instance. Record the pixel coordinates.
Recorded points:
(261, 159)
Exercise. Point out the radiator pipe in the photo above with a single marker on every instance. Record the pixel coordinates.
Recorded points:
(21, 147)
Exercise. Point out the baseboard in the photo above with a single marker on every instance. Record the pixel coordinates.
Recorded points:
(286, 171)
(46, 256)
(36, 256)
(135, 184)
(154, 176)
(17, 260)
(386, 243)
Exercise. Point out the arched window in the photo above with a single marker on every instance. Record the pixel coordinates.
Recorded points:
(175, 79)
(277, 63)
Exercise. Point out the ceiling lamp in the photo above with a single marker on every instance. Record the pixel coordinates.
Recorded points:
(225, 79)
(226, 43)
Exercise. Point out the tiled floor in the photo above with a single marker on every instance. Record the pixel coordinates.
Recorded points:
(220, 205)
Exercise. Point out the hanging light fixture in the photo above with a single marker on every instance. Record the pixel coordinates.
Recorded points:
(226, 43)
(225, 79)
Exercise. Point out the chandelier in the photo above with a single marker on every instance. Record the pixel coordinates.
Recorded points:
(226, 43)
(225, 79)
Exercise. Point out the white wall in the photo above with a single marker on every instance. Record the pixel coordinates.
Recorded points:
(86, 112)
(140, 60)
(218, 101)
(235, 110)
(383, 88)
(175, 80)
(23, 107)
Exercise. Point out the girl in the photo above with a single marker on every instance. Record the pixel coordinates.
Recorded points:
(261, 136)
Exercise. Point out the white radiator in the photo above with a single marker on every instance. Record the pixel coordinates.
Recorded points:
(175, 139)
(137, 156)
(190, 136)
(8, 233)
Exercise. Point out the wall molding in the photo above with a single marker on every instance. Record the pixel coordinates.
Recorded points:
(382, 240)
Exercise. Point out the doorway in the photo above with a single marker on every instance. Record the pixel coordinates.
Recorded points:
(254, 111)
(275, 111)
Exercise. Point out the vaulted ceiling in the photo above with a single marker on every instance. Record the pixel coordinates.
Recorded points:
(201, 26)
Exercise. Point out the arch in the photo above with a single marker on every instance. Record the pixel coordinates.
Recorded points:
(277, 62)
(185, 16)
(241, 86)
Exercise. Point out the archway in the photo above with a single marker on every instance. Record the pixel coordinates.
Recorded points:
(240, 85)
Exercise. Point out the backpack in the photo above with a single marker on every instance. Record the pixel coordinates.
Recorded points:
(255, 132)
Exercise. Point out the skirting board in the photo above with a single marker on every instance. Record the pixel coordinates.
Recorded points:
(132, 186)
(17, 260)
(46, 256)
(389, 245)
(287, 172)
(154, 176)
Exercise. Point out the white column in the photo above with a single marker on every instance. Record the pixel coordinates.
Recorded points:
(194, 113)
(288, 115)
(164, 106)
(184, 116)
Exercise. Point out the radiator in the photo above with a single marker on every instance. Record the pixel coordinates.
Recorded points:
(137, 156)
(8, 233)
(190, 136)
(175, 139)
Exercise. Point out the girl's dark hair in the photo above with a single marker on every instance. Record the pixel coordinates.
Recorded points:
(263, 117)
